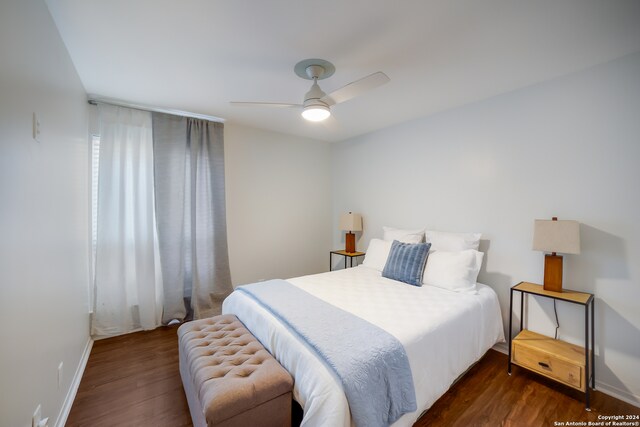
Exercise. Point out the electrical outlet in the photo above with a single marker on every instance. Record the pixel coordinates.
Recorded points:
(60, 372)
(36, 127)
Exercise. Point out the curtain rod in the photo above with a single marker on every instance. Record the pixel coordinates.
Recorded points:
(95, 100)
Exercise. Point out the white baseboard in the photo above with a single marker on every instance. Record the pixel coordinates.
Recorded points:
(501, 347)
(75, 384)
(624, 395)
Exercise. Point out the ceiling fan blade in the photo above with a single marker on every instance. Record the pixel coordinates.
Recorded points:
(356, 88)
(264, 104)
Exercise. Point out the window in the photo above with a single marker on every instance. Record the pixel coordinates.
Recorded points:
(95, 169)
(94, 152)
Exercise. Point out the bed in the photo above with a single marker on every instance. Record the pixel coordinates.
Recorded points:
(443, 334)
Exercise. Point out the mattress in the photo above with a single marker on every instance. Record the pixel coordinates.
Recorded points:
(443, 333)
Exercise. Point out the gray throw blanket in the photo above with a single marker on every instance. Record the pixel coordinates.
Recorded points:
(372, 364)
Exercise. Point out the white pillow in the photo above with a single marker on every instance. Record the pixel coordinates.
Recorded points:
(455, 271)
(452, 242)
(404, 236)
(377, 254)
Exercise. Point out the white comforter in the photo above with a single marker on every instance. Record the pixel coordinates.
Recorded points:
(443, 334)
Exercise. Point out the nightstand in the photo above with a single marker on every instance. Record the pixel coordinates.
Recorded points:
(345, 254)
(558, 360)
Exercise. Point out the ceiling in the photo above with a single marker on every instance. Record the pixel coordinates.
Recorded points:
(198, 55)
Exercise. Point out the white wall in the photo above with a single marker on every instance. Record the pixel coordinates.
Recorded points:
(278, 204)
(570, 148)
(43, 215)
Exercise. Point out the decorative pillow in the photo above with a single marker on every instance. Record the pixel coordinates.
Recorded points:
(404, 236)
(452, 242)
(406, 262)
(455, 271)
(377, 254)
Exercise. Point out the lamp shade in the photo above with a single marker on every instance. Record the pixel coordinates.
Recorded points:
(556, 236)
(351, 222)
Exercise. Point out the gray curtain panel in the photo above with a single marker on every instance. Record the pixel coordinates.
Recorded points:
(191, 215)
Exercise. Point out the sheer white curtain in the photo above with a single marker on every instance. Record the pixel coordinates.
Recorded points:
(128, 282)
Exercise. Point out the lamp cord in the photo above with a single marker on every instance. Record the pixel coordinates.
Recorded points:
(557, 323)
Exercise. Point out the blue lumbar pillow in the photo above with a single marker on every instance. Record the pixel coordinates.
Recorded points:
(406, 262)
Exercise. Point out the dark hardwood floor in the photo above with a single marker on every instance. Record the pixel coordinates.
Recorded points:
(488, 396)
(133, 380)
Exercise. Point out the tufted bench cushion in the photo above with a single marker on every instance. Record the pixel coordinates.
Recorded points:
(229, 377)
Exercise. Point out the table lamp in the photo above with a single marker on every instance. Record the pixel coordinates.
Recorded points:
(350, 222)
(555, 236)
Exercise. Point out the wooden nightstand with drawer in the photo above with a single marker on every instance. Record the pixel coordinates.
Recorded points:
(552, 358)
(566, 363)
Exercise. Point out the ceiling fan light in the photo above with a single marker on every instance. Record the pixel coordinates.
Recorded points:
(316, 113)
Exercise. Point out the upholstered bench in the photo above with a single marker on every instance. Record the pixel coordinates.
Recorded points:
(229, 378)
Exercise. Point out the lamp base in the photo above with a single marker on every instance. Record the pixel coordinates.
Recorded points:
(553, 273)
(350, 242)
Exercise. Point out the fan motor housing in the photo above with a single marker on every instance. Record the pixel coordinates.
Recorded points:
(314, 95)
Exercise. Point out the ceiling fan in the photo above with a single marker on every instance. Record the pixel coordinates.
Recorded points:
(317, 104)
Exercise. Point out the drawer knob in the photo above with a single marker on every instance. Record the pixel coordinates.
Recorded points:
(544, 365)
